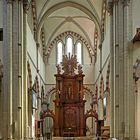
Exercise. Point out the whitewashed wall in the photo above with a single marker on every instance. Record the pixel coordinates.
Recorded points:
(135, 15)
(33, 59)
(136, 55)
(102, 64)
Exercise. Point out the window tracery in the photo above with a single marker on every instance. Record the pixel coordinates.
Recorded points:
(69, 47)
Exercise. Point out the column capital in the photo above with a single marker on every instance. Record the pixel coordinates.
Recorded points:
(115, 1)
(125, 2)
(9, 1)
(110, 5)
(26, 5)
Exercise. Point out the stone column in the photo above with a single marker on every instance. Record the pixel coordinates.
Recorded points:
(101, 116)
(116, 69)
(7, 75)
(24, 61)
(129, 99)
(126, 67)
(17, 71)
(119, 70)
(123, 72)
(110, 10)
(13, 50)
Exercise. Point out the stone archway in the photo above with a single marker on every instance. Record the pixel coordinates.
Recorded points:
(136, 76)
(92, 117)
(47, 122)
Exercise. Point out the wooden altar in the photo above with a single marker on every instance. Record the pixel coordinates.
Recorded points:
(69, 103)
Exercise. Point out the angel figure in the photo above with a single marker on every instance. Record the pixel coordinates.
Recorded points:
(58, 69)
(80, 71)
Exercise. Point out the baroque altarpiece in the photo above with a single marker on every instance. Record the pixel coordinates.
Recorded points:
(69, 102)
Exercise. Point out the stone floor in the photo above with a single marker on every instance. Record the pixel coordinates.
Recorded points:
(74, 138)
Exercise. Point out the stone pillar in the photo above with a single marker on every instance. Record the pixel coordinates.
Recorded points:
(13, 50)
(7, 75)
(122, 72)
(116, 69)
(101, 116)
(129, 99)
(17, 72)
(119, 70)
(126, 69)
(24, 61)
(110, 10)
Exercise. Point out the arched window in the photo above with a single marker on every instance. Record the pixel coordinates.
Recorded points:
(79, 52)
(69, 45)
(59, 52)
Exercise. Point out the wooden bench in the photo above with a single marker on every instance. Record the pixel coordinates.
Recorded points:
(105, 132)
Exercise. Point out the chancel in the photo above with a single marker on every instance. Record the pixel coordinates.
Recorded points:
(69, 70)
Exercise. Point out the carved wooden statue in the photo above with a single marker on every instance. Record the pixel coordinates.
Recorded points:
(69, 64)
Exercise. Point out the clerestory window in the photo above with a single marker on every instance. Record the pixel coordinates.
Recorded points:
(59, 52)
(69, 47)
(79, 52)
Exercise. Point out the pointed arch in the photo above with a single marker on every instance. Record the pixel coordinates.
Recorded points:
(34, 13)
(29, 74)
(69, 45)
(79, 51)
(101, 87)
(64, 35)
(59, 51)
(93, 16)
(49, 94)
(107, 78)
(135, 70)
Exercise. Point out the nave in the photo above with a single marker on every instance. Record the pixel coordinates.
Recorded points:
(69, 69)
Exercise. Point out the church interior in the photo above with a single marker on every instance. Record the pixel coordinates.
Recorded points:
(69, 70)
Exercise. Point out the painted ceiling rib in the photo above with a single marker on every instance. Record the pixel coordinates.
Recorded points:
(53, 33)
(93, 9)
(41, 12)
(70, 4)
(82, 30)
(74, 22)
(89, 41)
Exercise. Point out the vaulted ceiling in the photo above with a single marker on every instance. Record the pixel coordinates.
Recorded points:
(54, 17)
